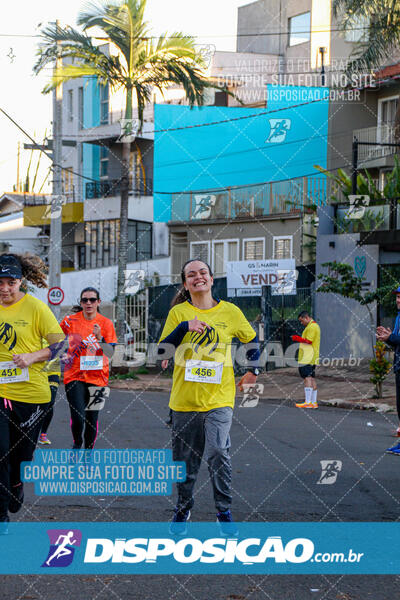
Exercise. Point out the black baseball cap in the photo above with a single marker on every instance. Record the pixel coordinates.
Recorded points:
(10, 267)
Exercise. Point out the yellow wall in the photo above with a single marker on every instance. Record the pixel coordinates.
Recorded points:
(34, 215)
(320, 34)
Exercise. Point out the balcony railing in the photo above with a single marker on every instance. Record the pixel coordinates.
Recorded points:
(112, 187)
(43, 199)
(383, 133)
(287, 196)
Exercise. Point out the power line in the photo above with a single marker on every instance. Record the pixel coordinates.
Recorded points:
(199, 36)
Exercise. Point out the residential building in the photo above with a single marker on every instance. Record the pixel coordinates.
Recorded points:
(304, 36)
(230, 189)
(14, 235)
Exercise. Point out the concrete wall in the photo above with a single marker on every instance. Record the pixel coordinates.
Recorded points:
(266, 229)
(344, 118)
(105, 280)
(140, 208)
(260, 17)
(345, 325)
(20, 238)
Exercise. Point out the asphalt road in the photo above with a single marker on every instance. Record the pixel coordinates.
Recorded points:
(276, 453)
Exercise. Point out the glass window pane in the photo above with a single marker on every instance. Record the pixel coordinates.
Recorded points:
(93, 245)
(99, 248)
(299, 29)
(253, 250)
(219, 261)
(233, 251)
(80, 107)
(144, 241)
(200, 251)
(357, 29)
(282, 248)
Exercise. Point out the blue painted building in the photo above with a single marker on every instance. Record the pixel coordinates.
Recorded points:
(213, 148)
(232, 183)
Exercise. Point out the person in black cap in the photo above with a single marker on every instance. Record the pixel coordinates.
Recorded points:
(385, 334)
(24, 390)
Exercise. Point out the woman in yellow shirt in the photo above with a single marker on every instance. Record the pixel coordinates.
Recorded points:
(201, 329)
(24, 388)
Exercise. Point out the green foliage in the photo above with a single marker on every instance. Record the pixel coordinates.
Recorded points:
(123, 376)
(382, 33)
(379, 366)
(390, 280)
(137, 64)
(366, 186)
(142, 370)
(343, 281)
(370, 221)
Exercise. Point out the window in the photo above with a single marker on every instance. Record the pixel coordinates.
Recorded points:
(80, 107)
(282, 247)
(253, 249)
(200, 250)
(103, 104)
(299, 29)
(101, 239)
(68, 180)
(81, 257)
(223, 251)
(104, 154)
(70, 105)
(387, 108)
(139, 241)
(357, 29)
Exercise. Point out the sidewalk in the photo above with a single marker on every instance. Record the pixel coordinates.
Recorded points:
(344, 387)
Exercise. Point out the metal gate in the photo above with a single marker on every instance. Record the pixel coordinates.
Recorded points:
(136, 324)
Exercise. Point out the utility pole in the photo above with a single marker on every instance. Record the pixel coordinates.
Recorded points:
(18, 159)
(56, 201)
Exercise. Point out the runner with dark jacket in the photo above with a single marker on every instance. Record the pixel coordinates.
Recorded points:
(385, 334)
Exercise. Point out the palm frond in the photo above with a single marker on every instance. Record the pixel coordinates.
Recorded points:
(383, 31)
(121, 21)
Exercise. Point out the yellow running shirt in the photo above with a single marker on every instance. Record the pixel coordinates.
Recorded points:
(23, 326)
(309, 353)
(213, 346)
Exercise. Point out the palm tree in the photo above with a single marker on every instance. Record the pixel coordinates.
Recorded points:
(382, 31)
(138, 66)
(380, 42)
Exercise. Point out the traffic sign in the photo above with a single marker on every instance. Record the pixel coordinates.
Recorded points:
(55, 295)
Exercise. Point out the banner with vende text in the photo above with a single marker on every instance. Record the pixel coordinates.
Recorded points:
(249, 276)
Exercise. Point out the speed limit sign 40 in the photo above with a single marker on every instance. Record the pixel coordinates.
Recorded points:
(55, 295)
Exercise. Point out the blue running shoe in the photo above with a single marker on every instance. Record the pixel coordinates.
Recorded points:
(178, 524)
(394, 450)
(226, 524)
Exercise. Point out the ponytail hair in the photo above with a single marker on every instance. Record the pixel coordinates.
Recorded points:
(33, 269)
(183, 294)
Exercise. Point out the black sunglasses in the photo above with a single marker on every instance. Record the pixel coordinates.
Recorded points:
(89, 299)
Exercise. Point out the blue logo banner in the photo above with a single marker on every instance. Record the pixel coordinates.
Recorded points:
(149, 548)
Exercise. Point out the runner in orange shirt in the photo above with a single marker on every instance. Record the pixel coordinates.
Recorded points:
(91, 343)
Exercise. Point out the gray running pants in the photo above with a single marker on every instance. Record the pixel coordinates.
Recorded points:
(196, 433)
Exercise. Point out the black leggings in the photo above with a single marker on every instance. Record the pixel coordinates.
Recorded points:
(49, 410)
(84, 423)
(20, 424)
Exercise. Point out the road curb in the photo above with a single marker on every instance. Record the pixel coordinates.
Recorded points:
(381, 407)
